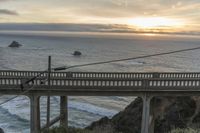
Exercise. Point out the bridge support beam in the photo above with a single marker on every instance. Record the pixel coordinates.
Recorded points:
(64, 111)
(35, 114)
(146, 114)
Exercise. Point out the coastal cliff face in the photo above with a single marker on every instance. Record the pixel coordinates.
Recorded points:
(166, 112)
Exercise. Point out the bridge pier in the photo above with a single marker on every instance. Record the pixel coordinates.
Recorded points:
(145, 128)
(34, 114)
(64, 111)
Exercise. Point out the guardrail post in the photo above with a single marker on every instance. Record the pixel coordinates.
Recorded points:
(146, 113)
(35, 114)
(156, 75)
(64, 111)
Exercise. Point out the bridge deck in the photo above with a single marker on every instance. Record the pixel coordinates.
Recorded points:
(99, 83)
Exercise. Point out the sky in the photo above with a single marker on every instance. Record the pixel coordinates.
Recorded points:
(141, 15)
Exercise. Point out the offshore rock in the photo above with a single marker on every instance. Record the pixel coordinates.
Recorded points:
(15, 44)
(77, 53)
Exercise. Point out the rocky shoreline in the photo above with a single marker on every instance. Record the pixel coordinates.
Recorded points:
(168, 113)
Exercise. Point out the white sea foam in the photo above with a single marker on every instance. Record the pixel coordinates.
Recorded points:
(19, 110)
(129, 63)
(19, 106)
(91, 109)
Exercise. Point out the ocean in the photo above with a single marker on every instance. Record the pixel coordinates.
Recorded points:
(95, 46)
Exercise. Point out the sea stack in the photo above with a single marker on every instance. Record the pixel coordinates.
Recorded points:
(77, 53)
(15, 44)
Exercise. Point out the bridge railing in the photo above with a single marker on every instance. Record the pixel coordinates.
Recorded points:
(143, 83)
(72, 82)
(179, 75)
(108, 75)
(127, 75)
(20, 73)
(173, 83)
(147, 84)
(75, 74)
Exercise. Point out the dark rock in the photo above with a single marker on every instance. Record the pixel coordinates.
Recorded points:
(77, 53)
(169, 112)
(1, 130)
(102, 122)
(15, 44)
(104, 125)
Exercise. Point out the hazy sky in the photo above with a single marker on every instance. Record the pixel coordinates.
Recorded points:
(185, 14)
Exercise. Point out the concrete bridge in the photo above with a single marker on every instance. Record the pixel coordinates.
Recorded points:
(63, 84)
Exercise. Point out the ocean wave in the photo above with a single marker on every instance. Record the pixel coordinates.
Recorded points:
(91, 109)
(37, 49)
(12, 115)
(18, 107)
(129, 63)
(12, 123)
(117, 98)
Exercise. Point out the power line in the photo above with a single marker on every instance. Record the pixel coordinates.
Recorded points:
(98, 63)
(24, 92)
(22, 87)
(126, 59)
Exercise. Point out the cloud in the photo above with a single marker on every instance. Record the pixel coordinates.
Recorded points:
(3, 0)
(116, 8)
(8, 12)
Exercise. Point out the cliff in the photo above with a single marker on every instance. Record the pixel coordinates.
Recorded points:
(168, 113)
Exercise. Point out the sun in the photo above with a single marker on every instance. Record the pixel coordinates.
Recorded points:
(154, 22)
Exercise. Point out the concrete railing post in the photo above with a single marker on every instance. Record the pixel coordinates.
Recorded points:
(146, 114)
(64, 111)
(35, 114)
(156, 75)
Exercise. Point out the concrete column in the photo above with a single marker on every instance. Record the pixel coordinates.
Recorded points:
(146, 114)
(35, 114)
(152, 124)
(64, 111)
(152, 114)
